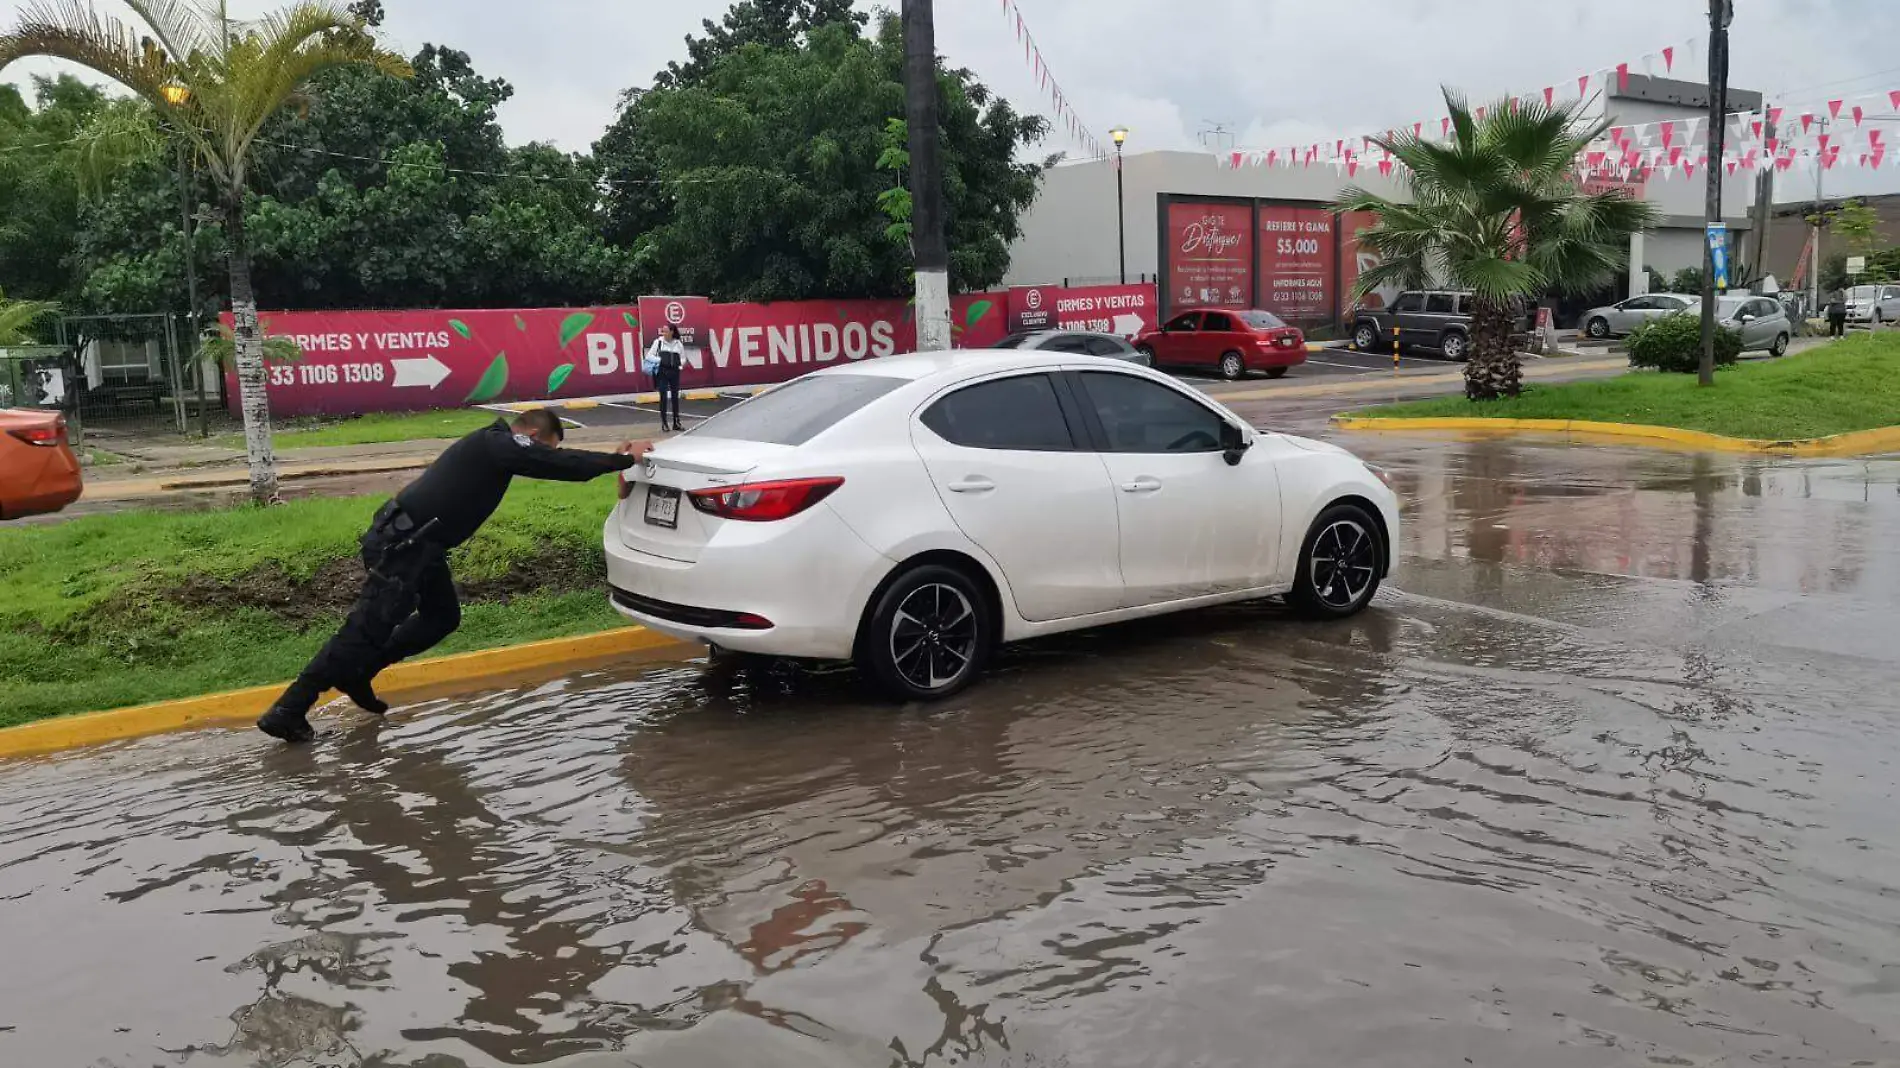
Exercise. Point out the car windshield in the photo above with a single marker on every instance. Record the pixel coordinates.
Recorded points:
(797, 411)
(1864, 293)
(1260, 320)
(1726, 307)
(1013, 341)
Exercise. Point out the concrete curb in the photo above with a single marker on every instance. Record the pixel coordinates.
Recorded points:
(239, 706)
(1854, 443)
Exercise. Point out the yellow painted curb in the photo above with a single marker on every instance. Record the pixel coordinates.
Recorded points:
(1854, 443)
(236, 706)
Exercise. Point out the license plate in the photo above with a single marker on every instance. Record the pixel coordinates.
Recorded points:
(663, 506)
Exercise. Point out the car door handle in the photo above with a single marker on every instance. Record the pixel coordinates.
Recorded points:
(1144, 484)
(972, 484)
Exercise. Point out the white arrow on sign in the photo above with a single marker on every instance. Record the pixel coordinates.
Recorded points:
(1127, 325)
(428, 372)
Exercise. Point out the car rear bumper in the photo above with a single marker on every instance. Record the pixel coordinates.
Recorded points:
(1276, 357)
(56, 484)
(808, 579)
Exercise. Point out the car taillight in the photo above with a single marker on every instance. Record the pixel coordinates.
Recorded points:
(47, 436)
(762, 502)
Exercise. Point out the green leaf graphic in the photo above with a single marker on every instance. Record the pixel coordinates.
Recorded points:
(632, 319)
(521, 324)
(459, 327)
(572, 326)
(978, 309)
(558, 378)
(494, 380)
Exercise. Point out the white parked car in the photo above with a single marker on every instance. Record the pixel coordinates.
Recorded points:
(912, 512)
(1875, 305)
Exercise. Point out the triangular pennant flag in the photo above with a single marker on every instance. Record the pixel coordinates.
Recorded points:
(1773, 144)
(1857, 114)
(1756, 128)
(1668, 132)
(1480, 113)
(1669, 58)
(1688, 169)
(1807, 121)
(1731, 167)
(1834, 109)
(1595, 158)
(1675, 154)
(1444, 126)
(1583, 88)
(1774, 116)
(1822, 141)
(1236, 158)
(1649, 65)
(1352, 167)
(1418, 130)
(1877, 155)
(1385, 168)
(1893, 97)
(1271, 153)
(1550, 95)
(1622, 77)
(1873, 138)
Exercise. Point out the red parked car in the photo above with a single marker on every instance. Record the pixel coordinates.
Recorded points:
(38, 471)
(1227, 342)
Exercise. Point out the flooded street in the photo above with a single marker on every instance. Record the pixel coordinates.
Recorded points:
(1608, 778)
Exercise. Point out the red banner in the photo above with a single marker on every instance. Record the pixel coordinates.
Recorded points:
(369, 361)
(1356, 259)
(1296, 262)
(1125, 310)
(1210, 255)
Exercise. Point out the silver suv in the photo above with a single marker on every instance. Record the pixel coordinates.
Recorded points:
(1875, 305)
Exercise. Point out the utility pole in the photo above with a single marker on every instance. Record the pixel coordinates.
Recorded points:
(1764, 212)
(1720, 13)
(932, 259)
(1814, 246)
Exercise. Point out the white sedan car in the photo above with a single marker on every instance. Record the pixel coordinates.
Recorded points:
(912, 512)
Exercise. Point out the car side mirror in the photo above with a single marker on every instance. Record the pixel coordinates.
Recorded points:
(1743, 317)
(1233, 443)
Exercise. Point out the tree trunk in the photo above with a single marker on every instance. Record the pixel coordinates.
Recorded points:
(1493, 370)
(253, 400)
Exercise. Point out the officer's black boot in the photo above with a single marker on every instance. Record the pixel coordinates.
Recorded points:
(289, 718)
(363, 693)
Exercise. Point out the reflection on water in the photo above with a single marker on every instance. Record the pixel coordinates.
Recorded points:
(1609, 782)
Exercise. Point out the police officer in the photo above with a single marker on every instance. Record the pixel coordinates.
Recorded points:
(408, 603)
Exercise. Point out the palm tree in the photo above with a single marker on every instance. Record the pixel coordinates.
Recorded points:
(216, 81)
(1497, 210)
(17, 315)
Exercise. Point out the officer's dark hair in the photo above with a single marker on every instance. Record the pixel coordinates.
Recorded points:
(539, 422)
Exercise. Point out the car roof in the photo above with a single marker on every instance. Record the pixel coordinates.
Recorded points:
(967, 363)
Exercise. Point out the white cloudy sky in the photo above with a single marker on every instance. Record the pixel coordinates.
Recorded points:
(1270, 70)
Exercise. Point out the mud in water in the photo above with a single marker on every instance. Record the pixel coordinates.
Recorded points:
(1609, 779)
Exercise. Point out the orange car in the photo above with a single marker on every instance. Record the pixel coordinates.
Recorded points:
(38, 471)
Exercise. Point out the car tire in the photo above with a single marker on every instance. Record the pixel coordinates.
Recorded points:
(1365, 337)
(1877, 319)
(1780, 347)
(1455, 346)
(1598, 328)
(1148, 354)
(928, 635)
(1276, 372)
(1325, 589)
(1233, 366)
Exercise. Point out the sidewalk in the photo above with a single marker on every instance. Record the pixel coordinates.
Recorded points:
(184, 468)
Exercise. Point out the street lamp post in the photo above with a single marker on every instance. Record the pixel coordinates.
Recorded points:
(177, 96)
(1120, 134)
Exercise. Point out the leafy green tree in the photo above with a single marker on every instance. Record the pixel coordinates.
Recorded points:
(1687, 280)
(752, 172)
(218, 82)
(1496, 210)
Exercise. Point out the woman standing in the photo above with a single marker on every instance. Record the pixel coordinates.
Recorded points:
(665, 357)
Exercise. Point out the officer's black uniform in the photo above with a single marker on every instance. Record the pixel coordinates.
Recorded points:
(408, 603)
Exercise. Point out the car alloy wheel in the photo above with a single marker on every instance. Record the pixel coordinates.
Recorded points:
(1780, 347)
(1339, 564)
(1147, 355)
(1365, 338)
(1598, 328)
(928, 635)
(1454, 347)
(1232, 366)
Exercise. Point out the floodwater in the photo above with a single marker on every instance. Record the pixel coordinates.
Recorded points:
(1610, 778)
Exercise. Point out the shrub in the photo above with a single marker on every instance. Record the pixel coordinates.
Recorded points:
(1674, 343)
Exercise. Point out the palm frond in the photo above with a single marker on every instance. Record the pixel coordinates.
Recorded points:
(17, 315)
(186, 28)
(120, 135)
(75, 31)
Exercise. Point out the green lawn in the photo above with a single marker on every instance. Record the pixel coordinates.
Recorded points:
(1853, 384)
(372, 429)
(110, 610)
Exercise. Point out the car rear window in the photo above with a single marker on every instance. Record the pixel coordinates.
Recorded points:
(797, 411)
(1261, 320)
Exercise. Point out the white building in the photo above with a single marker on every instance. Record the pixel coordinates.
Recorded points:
(1264, 236)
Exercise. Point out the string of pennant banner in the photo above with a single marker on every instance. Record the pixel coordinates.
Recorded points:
(1829, 133)
(1065, 117)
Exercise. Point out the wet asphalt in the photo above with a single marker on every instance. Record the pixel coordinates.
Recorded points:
(1606, 777)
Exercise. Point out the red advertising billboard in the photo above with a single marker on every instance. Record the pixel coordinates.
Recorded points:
(1125, 310)
(371, 361)
(1356, 259)
(1297, 254)
(1210, 254)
